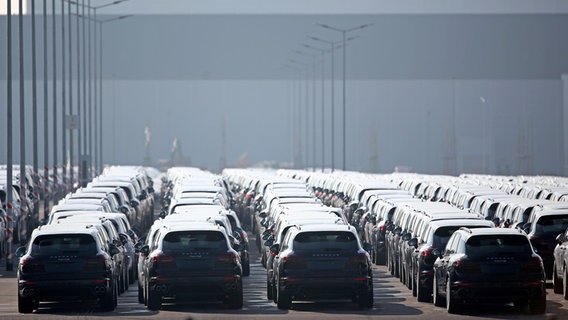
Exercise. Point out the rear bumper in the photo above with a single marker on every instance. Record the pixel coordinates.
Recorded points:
(498, 291)
(58, 290)
(207, 286)
(328, 287)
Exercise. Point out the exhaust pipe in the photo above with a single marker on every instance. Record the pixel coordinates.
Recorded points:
(29, 292)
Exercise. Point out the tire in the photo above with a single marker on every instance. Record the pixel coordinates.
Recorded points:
(565, 284)
(422, 294)
(140, 293)
(235, 300)
(107, 302)
(246, 268)
(453, 306)
(269, 293)
(25, 305)
(438, 301)
(380, 258)
(132, 275)
(538, 305)
(154, 300)
(557, 286)
(283, 300)
(366, 300)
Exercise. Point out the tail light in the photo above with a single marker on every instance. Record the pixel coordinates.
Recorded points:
(293, 261)
(227, 260)
(31, 265)
(162, 260)
(358, 261)
(96, 263)
(533, 265)
(465, 265)
(383, 228)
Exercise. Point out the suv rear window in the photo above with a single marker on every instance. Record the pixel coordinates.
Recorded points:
(497, 244)
(183, 241)
(325, 240)
(75, 244)
(552, 224)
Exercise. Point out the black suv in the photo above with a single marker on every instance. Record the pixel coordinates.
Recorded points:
(192, 261)
(64, 263)
(489, 265)
(325, 261)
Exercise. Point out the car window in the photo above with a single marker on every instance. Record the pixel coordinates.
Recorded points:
(328, 241)
(184, 241)
(551, 224)
(497, 244)
(75, 244)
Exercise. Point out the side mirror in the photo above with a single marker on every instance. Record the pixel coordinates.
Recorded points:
(117, 243)
(406, 236)
(413, 242)
(20, 252)
(145, 250)
(268, 243)
(436, 252)
(123, 238)
(162, 214)
(496, 221)
(527, 228)
(274, 249)
(113, 250)
(262, 214)
(390, 227)
(134, 203)
(397, 231)
(367, 246)
(373, 220)
(138, 246)
(123, 209)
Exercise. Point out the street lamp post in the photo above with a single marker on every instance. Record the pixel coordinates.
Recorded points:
(307, 98)
(313, 56)
(322, 51)
(332, 45)
(344, 32)
(9, 211)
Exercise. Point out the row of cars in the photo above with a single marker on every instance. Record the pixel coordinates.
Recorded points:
(310, 251)
(197, 242)
(430, 235)
(87, 248)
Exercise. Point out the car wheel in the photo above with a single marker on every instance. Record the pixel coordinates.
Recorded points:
(538, 305)
(565, 284)
(422, 294)
(557, 286)
(283, 300)
(366, 300)
(246, 268)
(452, 304)
(380, 258)
(438, 301)
(235, 300)
(107, 301)
(132, 275)
(269, 291)
(25, 305)
(154, 300)
(140, 293)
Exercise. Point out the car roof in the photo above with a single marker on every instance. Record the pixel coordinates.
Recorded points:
(462, 222)
(492, 231)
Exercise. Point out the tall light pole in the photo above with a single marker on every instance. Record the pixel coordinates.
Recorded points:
(9, 199)
(304, 65)
(344, 32)
(322, 51)
(484, 106)
(332, 49)
(313, 56)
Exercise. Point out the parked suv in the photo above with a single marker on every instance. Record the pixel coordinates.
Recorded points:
(192, 261)
(489, 265)
(64, 263)
(325, 261)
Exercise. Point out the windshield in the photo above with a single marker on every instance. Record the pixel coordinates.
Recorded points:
(76, 244)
